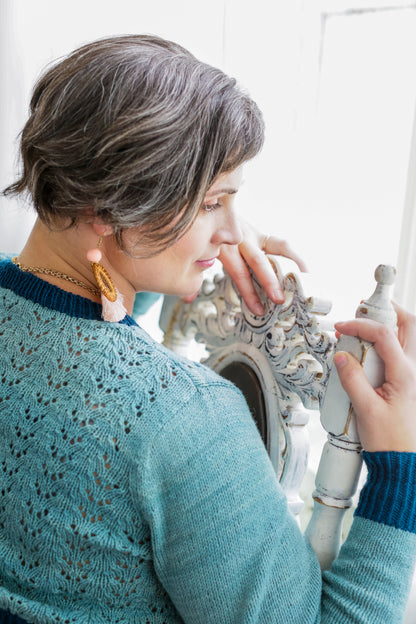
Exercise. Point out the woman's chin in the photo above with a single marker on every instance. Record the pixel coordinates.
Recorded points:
(190, 298)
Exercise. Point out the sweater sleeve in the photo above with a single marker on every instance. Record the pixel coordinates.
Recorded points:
(142, 302)
(226, 548)
(380, 546)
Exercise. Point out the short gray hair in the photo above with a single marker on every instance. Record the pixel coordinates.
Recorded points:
(136, 129)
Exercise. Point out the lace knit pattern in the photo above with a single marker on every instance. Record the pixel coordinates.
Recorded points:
(72, 446)
(136, 489)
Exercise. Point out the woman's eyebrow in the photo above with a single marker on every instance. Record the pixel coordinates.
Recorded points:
(222, 191)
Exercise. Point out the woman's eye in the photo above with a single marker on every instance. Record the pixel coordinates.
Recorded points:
(211, 207)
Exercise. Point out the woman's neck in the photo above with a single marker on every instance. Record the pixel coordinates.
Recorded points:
(64, 251)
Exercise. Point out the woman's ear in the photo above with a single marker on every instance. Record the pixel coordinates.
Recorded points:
(102, 229)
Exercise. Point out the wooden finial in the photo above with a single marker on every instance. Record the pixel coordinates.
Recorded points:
(378, 307)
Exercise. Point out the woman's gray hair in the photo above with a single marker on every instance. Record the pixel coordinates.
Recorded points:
(133, 129)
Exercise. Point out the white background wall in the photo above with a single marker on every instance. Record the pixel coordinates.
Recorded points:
(336, 89)
(334, 79)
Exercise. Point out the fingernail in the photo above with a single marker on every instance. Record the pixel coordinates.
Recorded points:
(258, 308)
(278, 296)
(340, 359)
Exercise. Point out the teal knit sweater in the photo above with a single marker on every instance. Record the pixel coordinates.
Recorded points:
(136, 488)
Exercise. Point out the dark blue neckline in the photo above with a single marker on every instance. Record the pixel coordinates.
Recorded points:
(49, 296)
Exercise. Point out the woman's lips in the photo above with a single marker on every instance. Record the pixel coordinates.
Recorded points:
(206, 264)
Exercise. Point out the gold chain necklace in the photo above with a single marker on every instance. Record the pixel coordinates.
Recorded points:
(44, 271)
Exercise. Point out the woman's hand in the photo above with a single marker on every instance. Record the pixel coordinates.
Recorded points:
(251, 253)
(386, 416)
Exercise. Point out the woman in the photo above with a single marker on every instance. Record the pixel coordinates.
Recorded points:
(135, 485)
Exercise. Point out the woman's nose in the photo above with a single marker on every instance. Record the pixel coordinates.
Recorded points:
(228, 231)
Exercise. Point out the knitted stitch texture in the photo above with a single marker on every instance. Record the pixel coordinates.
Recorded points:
(136, 489)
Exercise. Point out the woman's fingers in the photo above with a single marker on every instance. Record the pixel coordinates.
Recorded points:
(406, 323)
(370, 330)
(385, 415)
(237, 269)
(257, 260)
(252, 254)
(384, 339)
(278, 247)
(354, 381)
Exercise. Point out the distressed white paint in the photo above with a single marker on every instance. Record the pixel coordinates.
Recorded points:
(340, 465)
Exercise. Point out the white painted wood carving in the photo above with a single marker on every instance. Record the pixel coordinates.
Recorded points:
(340, 465)
(284, 351)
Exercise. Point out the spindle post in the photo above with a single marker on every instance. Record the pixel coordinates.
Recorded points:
(340, 465)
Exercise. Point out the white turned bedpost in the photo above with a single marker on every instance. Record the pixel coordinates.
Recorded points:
(340, 465)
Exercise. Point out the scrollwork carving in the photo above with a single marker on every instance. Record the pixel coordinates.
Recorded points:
(288, 334)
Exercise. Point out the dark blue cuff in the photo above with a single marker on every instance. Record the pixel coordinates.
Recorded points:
(389, 495)
(8, 618)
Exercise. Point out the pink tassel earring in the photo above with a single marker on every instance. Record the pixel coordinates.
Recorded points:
(112, 301)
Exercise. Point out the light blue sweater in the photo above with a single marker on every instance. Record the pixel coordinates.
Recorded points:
(136, 488)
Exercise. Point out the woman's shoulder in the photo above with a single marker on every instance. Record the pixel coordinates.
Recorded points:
(147, 352)
(165, 381)
(102, 363)
(156, 388)
(95, 344)
(129, 360)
